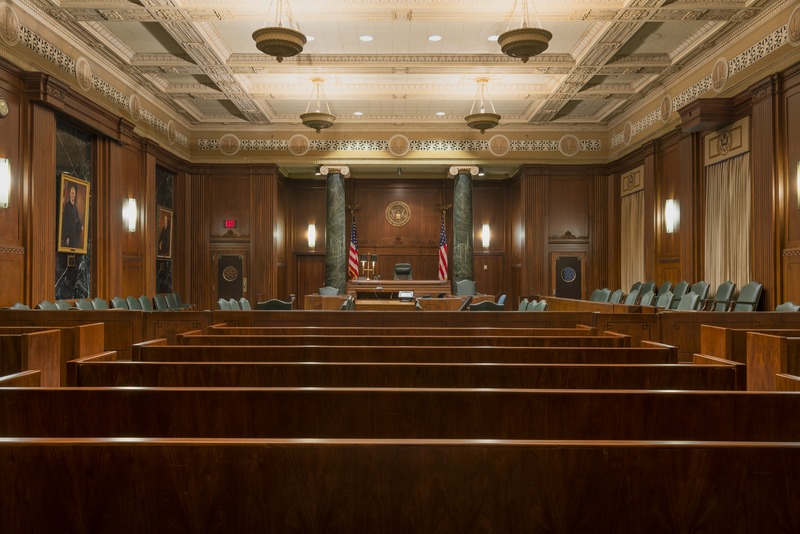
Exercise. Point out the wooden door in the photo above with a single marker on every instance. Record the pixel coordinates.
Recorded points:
(567, 274)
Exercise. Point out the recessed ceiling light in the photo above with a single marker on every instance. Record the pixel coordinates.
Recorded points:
(357, 113)
(309, 38)
(366, 38)
(440, 113)
(494, 37)
(435, 38)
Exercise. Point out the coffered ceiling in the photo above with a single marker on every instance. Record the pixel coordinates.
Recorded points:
(199, 58)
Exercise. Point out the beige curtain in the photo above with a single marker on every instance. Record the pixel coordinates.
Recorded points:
(632, 240)
(727, 231)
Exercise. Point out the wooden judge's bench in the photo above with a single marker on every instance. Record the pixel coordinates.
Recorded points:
(384, 295)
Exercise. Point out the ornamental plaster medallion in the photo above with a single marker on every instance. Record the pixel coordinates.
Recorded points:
(83, 72)
(569, 145)
(229, 144)
(627, 133)
(9, 25)
(398, 213)
(666, 108)
(134, 107)
(299, 145)
(171, 132)
(724, 142)
(499, 145)
(794, 27)
(399, 145)
(719, 75)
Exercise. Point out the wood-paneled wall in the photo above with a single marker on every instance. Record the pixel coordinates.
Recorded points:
(541, 210)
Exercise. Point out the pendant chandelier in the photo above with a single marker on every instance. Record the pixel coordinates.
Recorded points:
(317, 119)
(482, 120)
(524, 42)
(278, 41)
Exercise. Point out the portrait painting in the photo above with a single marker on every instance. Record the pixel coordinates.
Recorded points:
(164, 244)
(73, 220)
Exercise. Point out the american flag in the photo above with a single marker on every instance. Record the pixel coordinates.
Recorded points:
(352, 260)
(442, 253)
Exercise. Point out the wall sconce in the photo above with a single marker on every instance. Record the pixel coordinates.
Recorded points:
(672, 215)
(481, 172)
(486, 235)
(5, 182)
(129, 214)
(312, 235)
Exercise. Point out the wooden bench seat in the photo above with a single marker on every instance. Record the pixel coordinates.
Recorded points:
(419, 375)
(158, 350)
(345, 486)
(427, 341)
(408, 413)
(33, 350)
(398, 331)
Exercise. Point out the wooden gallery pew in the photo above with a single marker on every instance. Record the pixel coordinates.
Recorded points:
(773, 361)
(159, 351)
(32, 351)
(345, 486)
(397, 375)
(74, 342)
(612, 340)
(399, 413)
(485, 331)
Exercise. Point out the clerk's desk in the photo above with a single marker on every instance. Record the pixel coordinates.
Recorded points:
(386, 288)
(383, 295)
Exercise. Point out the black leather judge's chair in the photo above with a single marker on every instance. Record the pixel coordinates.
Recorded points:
(402, 271)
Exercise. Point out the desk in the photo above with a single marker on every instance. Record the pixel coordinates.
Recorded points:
(419, 287)
(385, 305)
(316, 301)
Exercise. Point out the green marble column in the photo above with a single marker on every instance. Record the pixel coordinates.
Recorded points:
(462, 224)
(335, 232)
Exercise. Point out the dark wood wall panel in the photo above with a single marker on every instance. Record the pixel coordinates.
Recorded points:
(764, 253)
(12, 244)
(568, 210)
(791, 205)
(668, 265)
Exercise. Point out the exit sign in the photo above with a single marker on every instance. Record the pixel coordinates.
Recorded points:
(230, 223)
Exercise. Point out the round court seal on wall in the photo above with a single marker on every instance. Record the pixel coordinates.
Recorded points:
(398, 213)
(399, 145)
(230, 273)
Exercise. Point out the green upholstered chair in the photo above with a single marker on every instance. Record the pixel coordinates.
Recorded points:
(502, 299)
(650, 285)
(748, 297)
(99, 304)
(172, 301)
(47, 305)
(523, 305)
(540, 306)
(637, 286)
(631, 298)
(84, 304)
(274, 304)
(133, 303)
(787, 307)
(224, 304)
(180, 302)
(647, 299)
(244, 304)
(119, 303)
(466, 288)
(486, 305)
(19, 306)
(147, 303)
(593, 296)
(665, 300)
(234, 305)
(701, 290)
(723, 297)
(161, 302)
(663, 288)
(62, 304)
(532, 305)
(615, 297)
(689, 302)
(678, 292)
(603, 295)
(328, 291)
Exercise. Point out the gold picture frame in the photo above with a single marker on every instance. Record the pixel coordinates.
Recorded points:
(73, 219)
(164, 236)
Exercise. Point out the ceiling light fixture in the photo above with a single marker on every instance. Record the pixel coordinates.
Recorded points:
(317, 120)
(482, 120)
(366, 38)
(524, 42)
(434, 38)
(278, 41)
